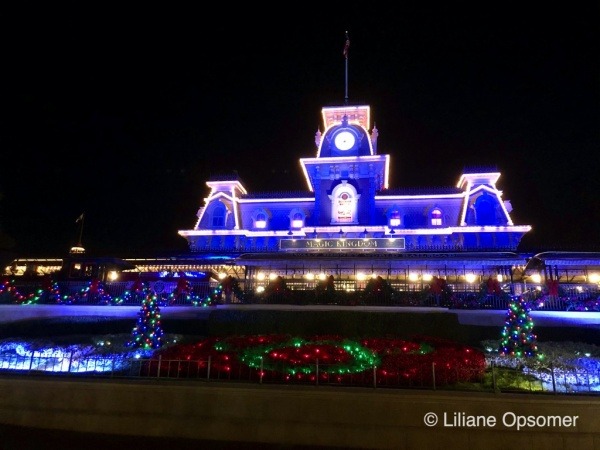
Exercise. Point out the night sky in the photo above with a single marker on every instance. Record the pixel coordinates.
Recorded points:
(123, 114)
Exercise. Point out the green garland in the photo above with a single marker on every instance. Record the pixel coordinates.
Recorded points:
(361, 358)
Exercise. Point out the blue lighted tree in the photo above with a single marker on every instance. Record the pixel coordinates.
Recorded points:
(147, 333)
(517, 336)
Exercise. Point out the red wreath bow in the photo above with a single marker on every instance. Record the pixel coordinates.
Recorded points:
(552, 287)
(437, 285)
(183, 286)
(137, 286)
(46, 283)
(94, 285)
(493, 287)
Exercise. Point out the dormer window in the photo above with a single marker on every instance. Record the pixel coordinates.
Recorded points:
(436, 217)
(261, 221)
(218, 216)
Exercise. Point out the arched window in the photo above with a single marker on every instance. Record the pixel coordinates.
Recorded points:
(344, 209)
(484, 209)
(344, 202)
(218, 216)
(436, 217)
(394, 218)
(297, 220)
(261, 221)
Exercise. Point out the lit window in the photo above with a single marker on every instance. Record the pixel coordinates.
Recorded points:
(345, 207)
(297, 221)
(344, 201)
(261, 221)
(394, 219)
(436, 217)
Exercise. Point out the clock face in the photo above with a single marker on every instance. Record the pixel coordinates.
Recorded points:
(344, 140)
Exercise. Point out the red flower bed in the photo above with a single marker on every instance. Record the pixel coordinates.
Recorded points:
(386, 361)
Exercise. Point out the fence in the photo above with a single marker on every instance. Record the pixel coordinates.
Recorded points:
(116, 293)
(493, 378)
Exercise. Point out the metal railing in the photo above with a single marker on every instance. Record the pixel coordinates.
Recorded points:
(493, 378)
(462, 297)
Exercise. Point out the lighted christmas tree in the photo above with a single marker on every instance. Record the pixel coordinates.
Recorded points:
(148, 332)
(517, 336)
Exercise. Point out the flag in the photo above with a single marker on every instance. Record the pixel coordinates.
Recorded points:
(79, 219)
(346, 46)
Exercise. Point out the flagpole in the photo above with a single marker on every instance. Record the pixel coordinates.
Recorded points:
(81, 229)
(346, 91)
(346, 48)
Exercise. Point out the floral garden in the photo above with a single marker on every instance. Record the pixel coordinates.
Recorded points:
(516, 361)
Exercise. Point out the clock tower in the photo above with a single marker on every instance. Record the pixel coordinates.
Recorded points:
(346, 172)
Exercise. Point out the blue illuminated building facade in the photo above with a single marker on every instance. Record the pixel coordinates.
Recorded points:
(349, 205)
(350, 223)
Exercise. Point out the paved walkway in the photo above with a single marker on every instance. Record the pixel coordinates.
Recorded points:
(11, 313)
(28, 438)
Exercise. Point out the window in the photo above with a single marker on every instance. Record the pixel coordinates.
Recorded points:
(344, 202)
(395, 219)
(88, 270)
(436, 217)
(297, 220)
(218, 217)
(484, 209)
(344, 207)
(75, 270)
(261, 221)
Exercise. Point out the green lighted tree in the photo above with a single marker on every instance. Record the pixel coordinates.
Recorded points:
(517, 336)
(148, 332)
